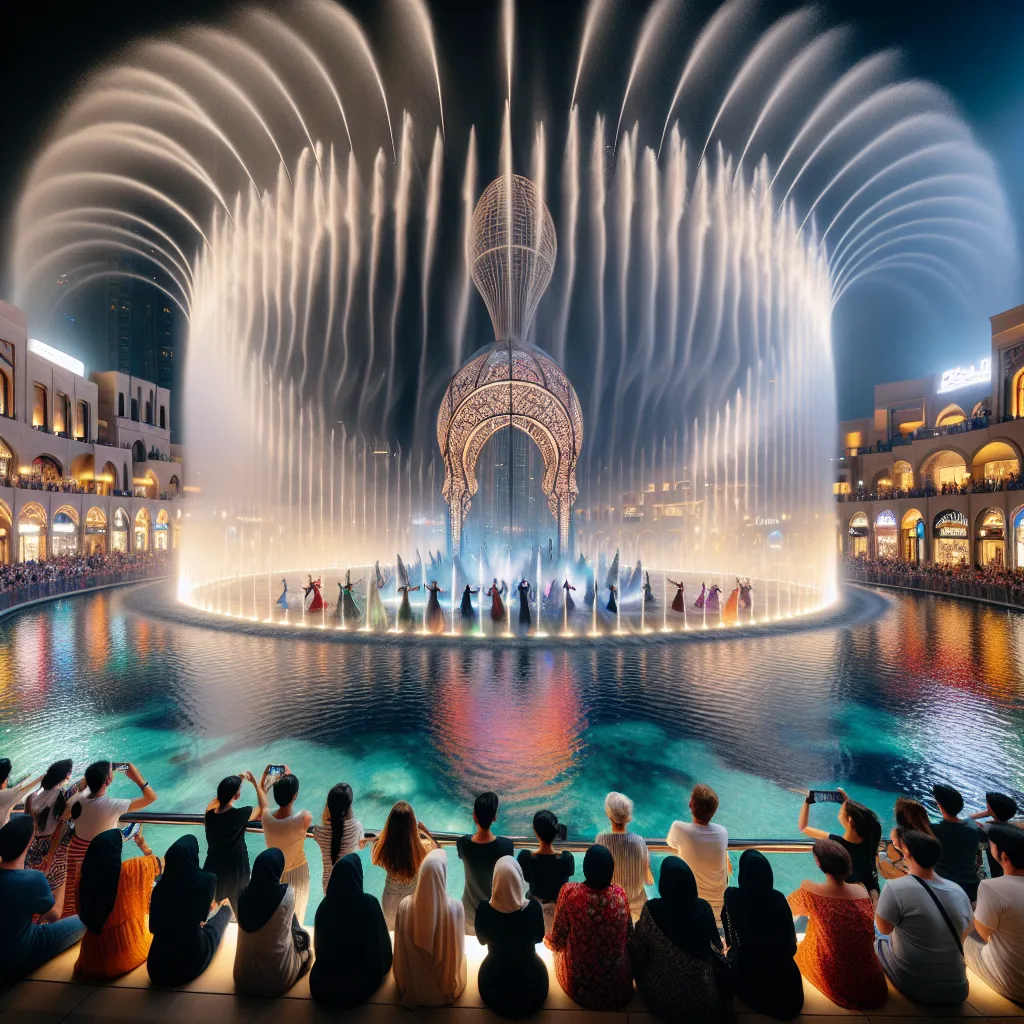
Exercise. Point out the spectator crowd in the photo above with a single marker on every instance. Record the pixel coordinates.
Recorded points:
(940, 895)
(72, 568)
(988, 582)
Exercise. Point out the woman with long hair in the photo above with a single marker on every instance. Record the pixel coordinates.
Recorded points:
(673, 950)
(400, 849)
(909, 814)
(48, 806)
(762, 941)
(227, 856)
(430, 938)
(862, 833)
(338, 833)
(592, 936)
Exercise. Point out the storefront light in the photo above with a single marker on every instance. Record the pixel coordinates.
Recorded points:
(63, 528)
(29, 529)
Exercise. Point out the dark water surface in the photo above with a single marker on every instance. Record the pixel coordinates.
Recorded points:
(907, 691)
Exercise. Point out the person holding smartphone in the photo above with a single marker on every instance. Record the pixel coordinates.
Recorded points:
(11, 795)
(95, 812)
(227, 856)
(862, 833)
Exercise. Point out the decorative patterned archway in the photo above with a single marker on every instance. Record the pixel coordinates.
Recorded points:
(510, 384)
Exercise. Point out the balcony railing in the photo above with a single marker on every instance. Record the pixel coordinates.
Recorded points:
(985, 487)
(923, 434)
(57, 588)
(1008, 590)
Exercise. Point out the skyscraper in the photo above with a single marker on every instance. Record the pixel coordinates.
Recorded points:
(119, 310)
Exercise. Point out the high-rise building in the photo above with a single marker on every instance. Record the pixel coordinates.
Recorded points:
(165, 346)
(119, 312)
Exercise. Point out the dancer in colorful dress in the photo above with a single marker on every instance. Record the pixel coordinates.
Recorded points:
(405, 620)
(376, 613)
(347, 610)
(713, 603)
(433, 621)
(730, 612)
(677, 601)
(318, 604)
(612, 605)
(746, 601)
(525, 621)
(701, 597)
(467, 613)
(570, 604)
(648, 592)
(283, 599)
(495, 592)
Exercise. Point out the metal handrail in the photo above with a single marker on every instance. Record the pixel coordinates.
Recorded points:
(450, 838)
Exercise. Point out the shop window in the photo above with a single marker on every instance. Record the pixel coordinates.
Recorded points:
(120, 405)
(39, 418)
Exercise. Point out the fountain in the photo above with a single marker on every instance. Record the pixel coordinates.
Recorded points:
(290, 197)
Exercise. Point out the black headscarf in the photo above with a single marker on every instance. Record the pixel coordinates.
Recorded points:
(182, 897)
(685, 919)
(756, 912)
(598, 867)
(99, 878)
(340, 916)
(262, 896)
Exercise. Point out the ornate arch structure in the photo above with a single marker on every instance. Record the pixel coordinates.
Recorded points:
(510, 384)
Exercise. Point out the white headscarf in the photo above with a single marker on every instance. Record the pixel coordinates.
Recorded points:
(508, 886)
(434, 928)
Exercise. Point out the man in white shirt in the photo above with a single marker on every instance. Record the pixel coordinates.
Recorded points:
(996, 951)
(704, 846)
(11, 795)
(919, 944)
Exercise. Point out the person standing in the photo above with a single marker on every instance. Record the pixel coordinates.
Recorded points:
(285, 830)
(226, 854)
(961, 842)
(629, 851)
(479, 853)
(921, 920)
(704, 846)
(995, 951)
(95, 812)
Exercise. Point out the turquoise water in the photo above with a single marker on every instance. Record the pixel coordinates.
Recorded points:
(905, 691)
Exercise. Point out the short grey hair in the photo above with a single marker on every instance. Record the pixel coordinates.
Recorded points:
(619, 808)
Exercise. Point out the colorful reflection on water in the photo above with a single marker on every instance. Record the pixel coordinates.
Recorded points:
(927, 689)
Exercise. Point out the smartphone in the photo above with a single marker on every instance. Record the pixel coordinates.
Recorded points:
(563, 832)
(827, 796)
(274, 769)
(120, 766)
(131, 831)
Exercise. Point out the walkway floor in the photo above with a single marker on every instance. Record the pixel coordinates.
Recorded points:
(49, 996)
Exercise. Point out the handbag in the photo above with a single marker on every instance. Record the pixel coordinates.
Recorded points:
(942, 911)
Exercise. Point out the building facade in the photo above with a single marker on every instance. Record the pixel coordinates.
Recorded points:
(86, 464)
(934, 475)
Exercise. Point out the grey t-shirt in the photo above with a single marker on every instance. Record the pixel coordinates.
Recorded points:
(922, 957)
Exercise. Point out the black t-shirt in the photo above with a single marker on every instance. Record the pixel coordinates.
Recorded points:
(863, 858)
(546, 873)
(960, 841)
(226, 854)
(510, 937)
(479, 860)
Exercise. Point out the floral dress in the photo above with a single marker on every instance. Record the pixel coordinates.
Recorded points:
(837, 955)
(591, 939)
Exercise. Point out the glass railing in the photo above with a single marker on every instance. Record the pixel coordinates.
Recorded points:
(29, 592)
(1009, 592)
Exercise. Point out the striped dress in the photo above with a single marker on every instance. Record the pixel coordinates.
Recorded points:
(632, 866)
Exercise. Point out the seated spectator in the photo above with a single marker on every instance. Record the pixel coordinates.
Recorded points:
(113, 904)
(399, 849)
(909, 814)
(185, 937)
(225, 823)
(48, 806)
(513, 980)
(479, 853)
(24, 894)
(430, 958)
(961, 842)
(272, 951)
(351, 941)
(996, 952)
(1000, 808)
(837, 955)
(547, 870)
(96, 812)
(12, 795)
(673, 948)
(704, 846)
(922, 920)
(592, 936)
(861, 835)
(762, 941)
(339, 842)
(629, 851)
(285, 830)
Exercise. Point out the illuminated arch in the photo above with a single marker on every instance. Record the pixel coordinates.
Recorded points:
(950, 416)
(510, 383)
(996, 460)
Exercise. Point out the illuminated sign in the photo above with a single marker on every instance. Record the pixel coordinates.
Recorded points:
(885, 519)
(766, 521)
(951, 524)
(55, 356)
(63, 527)
(961, 377)
(28, 528)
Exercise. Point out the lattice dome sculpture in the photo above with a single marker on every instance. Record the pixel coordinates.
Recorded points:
(511, 253)
(511, 383)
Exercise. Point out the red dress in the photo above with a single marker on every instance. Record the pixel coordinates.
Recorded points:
(497, 607)
(837, 955)
(318, 604)
(590, 938)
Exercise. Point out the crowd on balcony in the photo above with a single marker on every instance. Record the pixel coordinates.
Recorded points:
(74, 567)
(992, 582)
(1010, 482)
(68, 485)
(917, 911)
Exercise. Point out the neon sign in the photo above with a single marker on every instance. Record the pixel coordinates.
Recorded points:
(961, 377)
(55, 356)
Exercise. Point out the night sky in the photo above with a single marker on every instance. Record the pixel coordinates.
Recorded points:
(973, 50)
